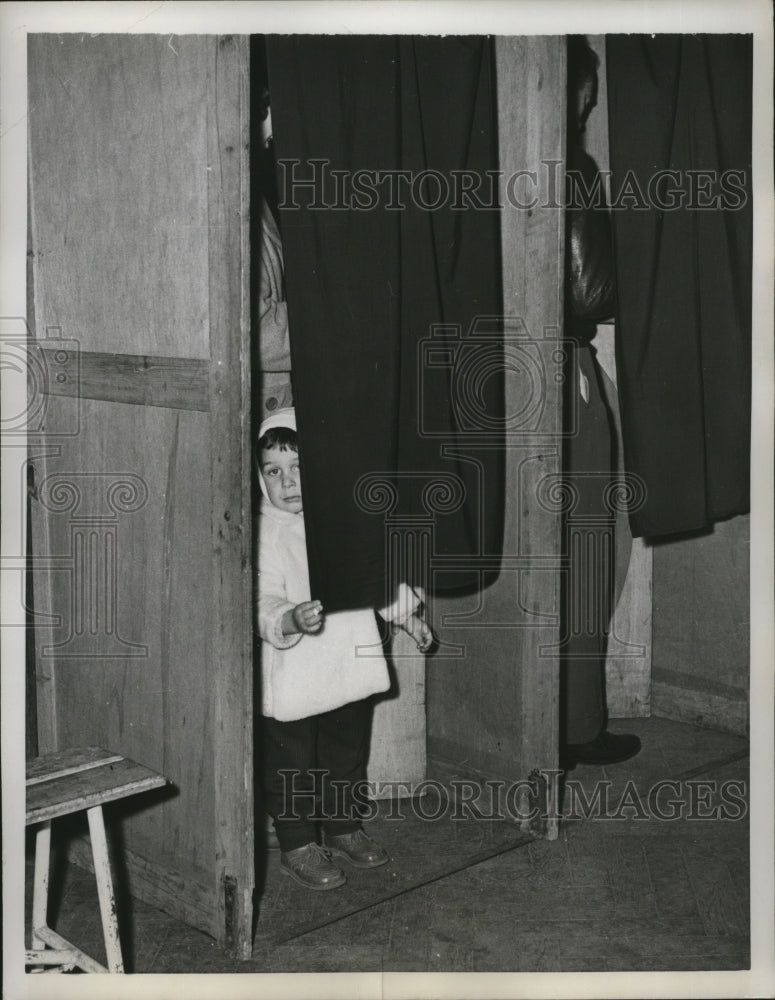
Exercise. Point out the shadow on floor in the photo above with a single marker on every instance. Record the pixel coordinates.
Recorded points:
(650, 872)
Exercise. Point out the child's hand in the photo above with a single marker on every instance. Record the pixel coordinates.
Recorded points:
(308, 617)
(417, 627)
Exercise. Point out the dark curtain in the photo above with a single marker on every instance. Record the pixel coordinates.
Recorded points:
(372, 264)
(683, 258)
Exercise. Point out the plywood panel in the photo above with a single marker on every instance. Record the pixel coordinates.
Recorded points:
(122, 491)
(493, 711)
(118, 127)
(139, 223)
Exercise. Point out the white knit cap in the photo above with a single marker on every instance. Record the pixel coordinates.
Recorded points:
(280, 418)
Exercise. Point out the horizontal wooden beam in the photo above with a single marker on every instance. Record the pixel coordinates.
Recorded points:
(144, 380)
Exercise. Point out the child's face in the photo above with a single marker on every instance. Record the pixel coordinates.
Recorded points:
(280, 472)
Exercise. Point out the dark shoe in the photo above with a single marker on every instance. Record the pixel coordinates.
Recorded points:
(607, 748)
(357, 848)
(312, 867)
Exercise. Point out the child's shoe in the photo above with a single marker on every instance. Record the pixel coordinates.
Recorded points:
(357, 848)
(312, 867)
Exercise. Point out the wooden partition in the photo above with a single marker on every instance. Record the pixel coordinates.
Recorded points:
(493, 709)
(141, 526)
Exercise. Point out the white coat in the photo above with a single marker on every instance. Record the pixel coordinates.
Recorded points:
(305, 675)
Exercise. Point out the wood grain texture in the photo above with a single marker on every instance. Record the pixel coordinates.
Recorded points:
(118, 131)
(42, 581)
(45, 602)
(495, 710)
(120, 689)
(178, 383)
(72, 955)
(62, 794)
(121, 234)
(70, 761)
(230, 477)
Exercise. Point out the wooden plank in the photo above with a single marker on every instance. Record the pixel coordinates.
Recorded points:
(118, 136)
(73, 954)
(67, 762)
(131, 269)
(156, 707)
(228, 141)
(73, 792)
(45, 676)
(144, 380)
(495, 711)
(537, 296)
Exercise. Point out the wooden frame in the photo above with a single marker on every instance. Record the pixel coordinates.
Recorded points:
(180, 357)
(230, 426)
(513, 634)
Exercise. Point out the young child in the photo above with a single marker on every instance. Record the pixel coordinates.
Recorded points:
(318, 673)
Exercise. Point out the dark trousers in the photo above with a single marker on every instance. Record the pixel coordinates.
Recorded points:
(588, 547)
(310, 767)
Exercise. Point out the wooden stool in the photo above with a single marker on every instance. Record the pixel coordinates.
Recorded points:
(59, 784)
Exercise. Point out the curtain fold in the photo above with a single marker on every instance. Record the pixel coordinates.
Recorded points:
(377, 253)
(680, 144)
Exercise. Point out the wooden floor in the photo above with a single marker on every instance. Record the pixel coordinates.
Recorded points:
(635, 892)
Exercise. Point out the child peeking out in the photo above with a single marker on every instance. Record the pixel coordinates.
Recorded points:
(317, 682)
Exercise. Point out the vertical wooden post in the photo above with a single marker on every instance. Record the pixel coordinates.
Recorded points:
(45, 675)
(531, 74)
(228, 233)
(493, 711)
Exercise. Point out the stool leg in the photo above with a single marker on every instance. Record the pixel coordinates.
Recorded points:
(40, 884)
(99, 849)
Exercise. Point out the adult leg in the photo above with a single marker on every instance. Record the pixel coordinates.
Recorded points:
(588, 592)
(589, 535)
